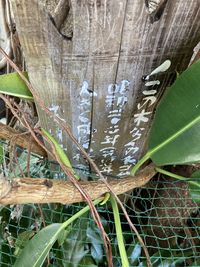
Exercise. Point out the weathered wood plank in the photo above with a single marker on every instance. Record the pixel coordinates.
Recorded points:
(94, 80)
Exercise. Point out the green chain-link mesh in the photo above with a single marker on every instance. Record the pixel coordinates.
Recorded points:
(163, 212)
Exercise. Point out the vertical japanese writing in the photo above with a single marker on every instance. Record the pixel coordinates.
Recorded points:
(139, 120)
(115, 100)
(59, 134)
(84, 120)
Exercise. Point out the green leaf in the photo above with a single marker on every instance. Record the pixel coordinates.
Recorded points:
(95, 240)
(88, 261)
(63, 235)
(22, 240)
(74, 247)
(174, 137)
(37, 249)
(196, 174)
(12, 84)
(35, 253)
(60, 152)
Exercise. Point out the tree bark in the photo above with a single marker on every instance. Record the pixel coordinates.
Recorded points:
(33, 190)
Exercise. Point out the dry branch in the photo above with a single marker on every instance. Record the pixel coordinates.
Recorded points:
(22, 140)
(35, 190)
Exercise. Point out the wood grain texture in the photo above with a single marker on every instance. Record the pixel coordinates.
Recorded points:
(94, 80)
(38, 190)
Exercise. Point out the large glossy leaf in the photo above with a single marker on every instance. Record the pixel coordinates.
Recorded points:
(35, 253)
(175, 134)
(22, 240)
(12, 84)
(37, 249)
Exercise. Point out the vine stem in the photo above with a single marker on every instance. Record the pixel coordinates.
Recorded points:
(170, 174)
(120, 239)
(178, 177)
(139, 164)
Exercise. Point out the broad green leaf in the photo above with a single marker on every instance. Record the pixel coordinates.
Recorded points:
(22, 240)
(37, 249)
(35, 253)
(174, 137)
(194, 186)
(63, 235)
(12, 84)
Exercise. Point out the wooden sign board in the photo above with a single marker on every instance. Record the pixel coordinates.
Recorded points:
(93, 81)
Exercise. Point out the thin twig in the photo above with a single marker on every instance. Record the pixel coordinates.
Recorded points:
(25, 124)
(28, 157)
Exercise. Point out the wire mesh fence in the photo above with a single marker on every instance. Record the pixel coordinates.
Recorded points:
(163, 213)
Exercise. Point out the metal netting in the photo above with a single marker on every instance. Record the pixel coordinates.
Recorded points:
(163, 213)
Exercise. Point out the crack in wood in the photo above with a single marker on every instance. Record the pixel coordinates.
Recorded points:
(54, 23)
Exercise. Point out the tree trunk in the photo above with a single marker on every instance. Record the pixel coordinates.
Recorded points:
(90, 74)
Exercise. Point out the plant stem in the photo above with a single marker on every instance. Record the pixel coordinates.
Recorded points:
(178, 177)
(170, 174)
(80, 213)
(119, 233)
(139, 164)
(60, 152)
